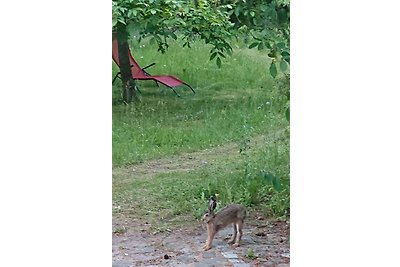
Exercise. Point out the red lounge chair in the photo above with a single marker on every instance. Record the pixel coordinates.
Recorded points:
(139, 73)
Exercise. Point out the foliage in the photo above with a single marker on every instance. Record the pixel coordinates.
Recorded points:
(250, 254)
(215, 22)
(163, 20)
(268, 22)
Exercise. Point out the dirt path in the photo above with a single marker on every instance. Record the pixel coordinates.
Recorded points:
(183, 162)
(135, 243)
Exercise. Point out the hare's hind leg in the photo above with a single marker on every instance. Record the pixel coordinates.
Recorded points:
(232, 240)
(239, 226)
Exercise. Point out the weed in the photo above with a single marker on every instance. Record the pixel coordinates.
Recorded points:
(120, 230)
(250, 254)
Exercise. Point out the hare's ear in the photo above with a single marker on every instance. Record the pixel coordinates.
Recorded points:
(212, 203)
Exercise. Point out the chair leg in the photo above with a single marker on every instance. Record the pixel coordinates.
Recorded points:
(175, 91)
(116, 76)
(137, 88)
(190, 87)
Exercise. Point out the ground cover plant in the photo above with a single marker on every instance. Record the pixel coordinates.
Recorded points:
(231, 138)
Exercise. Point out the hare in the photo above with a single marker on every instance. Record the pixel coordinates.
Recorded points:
(232, 213)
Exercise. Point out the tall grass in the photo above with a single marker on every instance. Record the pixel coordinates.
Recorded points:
(234, 178)
(233, 104)
(228, 100)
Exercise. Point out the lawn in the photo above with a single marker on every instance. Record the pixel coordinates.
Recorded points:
(231, 138)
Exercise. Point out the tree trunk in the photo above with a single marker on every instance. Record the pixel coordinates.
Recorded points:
(128, 83)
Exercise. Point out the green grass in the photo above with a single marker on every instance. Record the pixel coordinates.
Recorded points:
(245, 69)
(230, 102)
(233, 176)
(234, 104)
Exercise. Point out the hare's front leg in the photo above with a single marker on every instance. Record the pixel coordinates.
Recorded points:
(210, 238)
(207, 245)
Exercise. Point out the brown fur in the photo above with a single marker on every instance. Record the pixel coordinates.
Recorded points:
(232, 214)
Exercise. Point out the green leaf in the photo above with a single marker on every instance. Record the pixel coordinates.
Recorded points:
(287, 114)
(238, 9)
(213, 55)
(283, 65)
(286, 56)
(132, 13)
(114, 22)
(122, 21)
(260, 46)
(219, 62)
(272, 53)
(253, 45)
(280, 45)
(173, 35)
(272, 70)
(153, 11)
(158, 38)
(228, 47)
(274, 14)
(255, 38)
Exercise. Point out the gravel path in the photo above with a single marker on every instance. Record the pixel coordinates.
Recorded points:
(264, 243)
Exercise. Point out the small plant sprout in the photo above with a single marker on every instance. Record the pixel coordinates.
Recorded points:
(250, 254)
